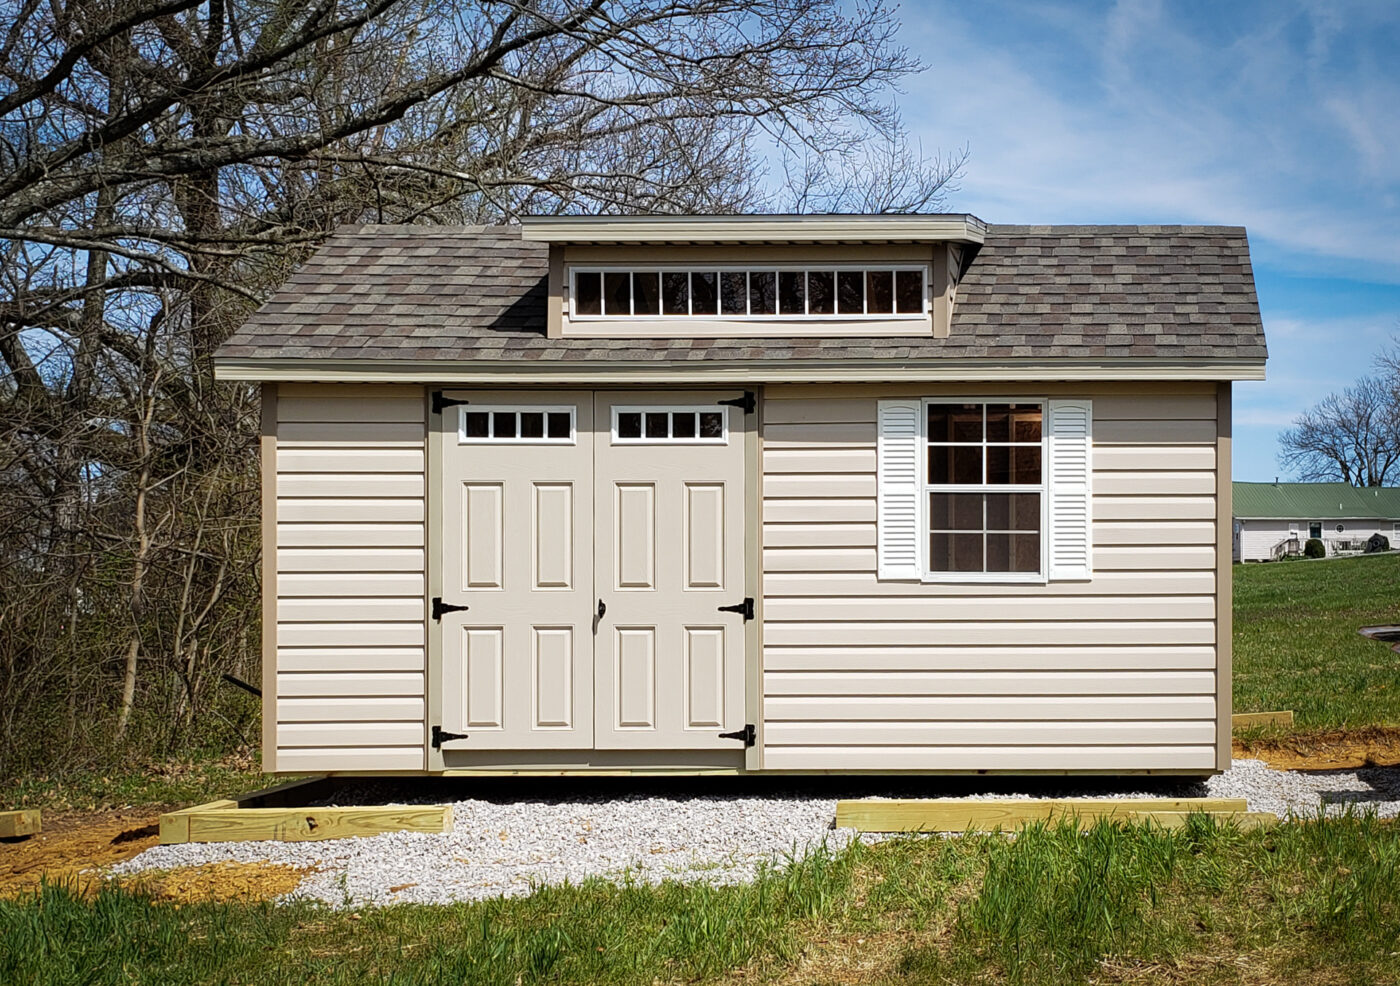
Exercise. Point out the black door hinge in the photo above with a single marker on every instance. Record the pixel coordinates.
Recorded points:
(440, 607)
(441, 403)
(440, 734)
(749, 402)
(745, 607)
(746, 734)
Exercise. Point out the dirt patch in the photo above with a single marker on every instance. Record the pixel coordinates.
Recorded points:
(73, 846)
(217, 882)
(1334, 749)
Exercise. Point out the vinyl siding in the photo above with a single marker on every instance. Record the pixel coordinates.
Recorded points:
(1116, 673)
(350, 578)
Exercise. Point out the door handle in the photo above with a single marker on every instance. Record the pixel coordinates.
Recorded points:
(602, 608)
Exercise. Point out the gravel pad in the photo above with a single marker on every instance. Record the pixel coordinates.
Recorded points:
(508, 846)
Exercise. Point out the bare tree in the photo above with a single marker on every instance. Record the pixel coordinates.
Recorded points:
(164, 163)
(1351, 437)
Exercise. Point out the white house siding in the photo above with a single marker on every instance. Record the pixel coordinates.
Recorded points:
(1117, 673)
(1258, 536)
(350, 620)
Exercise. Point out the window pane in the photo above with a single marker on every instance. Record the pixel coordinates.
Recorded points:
(702, 293)
(821, 292)
(733, 293)
(850, 294)
(504, 422)
(478, 424)
(675, 293)
(763, 292)
(682, 424)
(1013, 552)
(955, 511)
(656, 424)
(1013, 422)
(711, 424)
(955, 423)
(646, 293)
(1019, 464)
(879, 291)
(617, 293)
(791, 292)
(559, 424)
(531, 424)
(955, 552)
(909, 291)
(629, 424)
(955, 464)
(1013, 511)
(588, 293)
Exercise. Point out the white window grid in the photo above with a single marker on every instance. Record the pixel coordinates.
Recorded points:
(926, 488)
(750, 269)
(491, 410)
(670, 410)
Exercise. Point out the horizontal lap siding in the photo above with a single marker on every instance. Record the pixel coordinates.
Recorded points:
(1117, 673)
(351, 572)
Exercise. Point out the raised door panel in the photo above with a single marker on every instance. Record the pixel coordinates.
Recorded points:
(516, 542)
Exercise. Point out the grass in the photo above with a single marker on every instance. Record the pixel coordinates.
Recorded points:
(1296, 645)
(1305, 902)
(146, 786)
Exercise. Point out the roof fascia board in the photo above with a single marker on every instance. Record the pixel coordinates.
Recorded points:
(754, 229)
(716, 371)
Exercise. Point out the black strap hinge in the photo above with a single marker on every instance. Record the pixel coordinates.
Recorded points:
(440, 607)
(746, 734)
(441, 403)
(749, 402)
(745, 607)
(440, 734)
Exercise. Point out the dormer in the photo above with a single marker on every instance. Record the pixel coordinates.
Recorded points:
(745, 276)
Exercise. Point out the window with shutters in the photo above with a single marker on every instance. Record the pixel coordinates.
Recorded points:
(984, 490)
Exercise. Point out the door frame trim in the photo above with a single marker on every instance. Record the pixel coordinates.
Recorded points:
(753, 552)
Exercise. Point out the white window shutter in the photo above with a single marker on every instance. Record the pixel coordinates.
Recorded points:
(897, 490)
(1071, 445)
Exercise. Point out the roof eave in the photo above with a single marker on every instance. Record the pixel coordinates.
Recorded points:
(498, 372)
(608, 230)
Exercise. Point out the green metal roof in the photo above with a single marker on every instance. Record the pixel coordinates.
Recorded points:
(1315, 501)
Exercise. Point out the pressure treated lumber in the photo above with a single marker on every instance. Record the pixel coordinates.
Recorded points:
(951, 815)
(1249, 720)
(17, 824)
(226, 822)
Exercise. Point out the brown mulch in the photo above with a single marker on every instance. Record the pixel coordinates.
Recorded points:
(75, 846)
(1333, 749)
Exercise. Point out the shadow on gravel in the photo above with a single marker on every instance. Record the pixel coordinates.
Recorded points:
(505, 790)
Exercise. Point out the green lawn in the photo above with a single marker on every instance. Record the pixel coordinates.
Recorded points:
(1305, 903)
(1296, 645)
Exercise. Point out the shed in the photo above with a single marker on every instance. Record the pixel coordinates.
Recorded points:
(1275, 519)
(750, 493)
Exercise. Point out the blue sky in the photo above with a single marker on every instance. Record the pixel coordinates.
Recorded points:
(1282, 116)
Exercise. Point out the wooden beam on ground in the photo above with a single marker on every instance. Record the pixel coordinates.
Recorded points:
(1250, 720)
(954, 815)
(226, 822)
(1245, 821)
(18, 824)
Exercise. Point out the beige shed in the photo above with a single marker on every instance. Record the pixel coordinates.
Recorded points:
(751, 493)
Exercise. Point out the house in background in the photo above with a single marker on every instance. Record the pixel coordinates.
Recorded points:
(1272, 520)
(750, 493)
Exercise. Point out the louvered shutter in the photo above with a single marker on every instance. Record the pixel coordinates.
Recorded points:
(1071, 447)
(897, 490)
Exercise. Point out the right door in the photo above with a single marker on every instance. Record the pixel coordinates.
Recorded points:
(668, 554)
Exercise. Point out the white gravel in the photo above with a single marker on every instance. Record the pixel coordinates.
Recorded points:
(508, 846)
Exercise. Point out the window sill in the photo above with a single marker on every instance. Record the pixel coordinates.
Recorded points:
(985, 578)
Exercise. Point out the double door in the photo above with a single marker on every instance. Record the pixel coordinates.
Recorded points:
(596, 540)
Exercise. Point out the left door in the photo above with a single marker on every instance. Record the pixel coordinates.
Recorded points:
(517, 545)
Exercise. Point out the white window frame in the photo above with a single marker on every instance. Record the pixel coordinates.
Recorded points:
(1043, 489)
(493, 409)
(718, 269)
(643, 409)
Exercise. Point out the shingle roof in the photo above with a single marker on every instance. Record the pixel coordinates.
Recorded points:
(1314, 501)
(1033, 293)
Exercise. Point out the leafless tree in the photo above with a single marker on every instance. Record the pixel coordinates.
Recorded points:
(1351, 437)
(164, 163)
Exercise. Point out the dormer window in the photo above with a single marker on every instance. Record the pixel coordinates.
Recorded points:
(777, 292)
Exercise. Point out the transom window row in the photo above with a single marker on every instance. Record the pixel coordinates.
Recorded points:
(893, 291)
